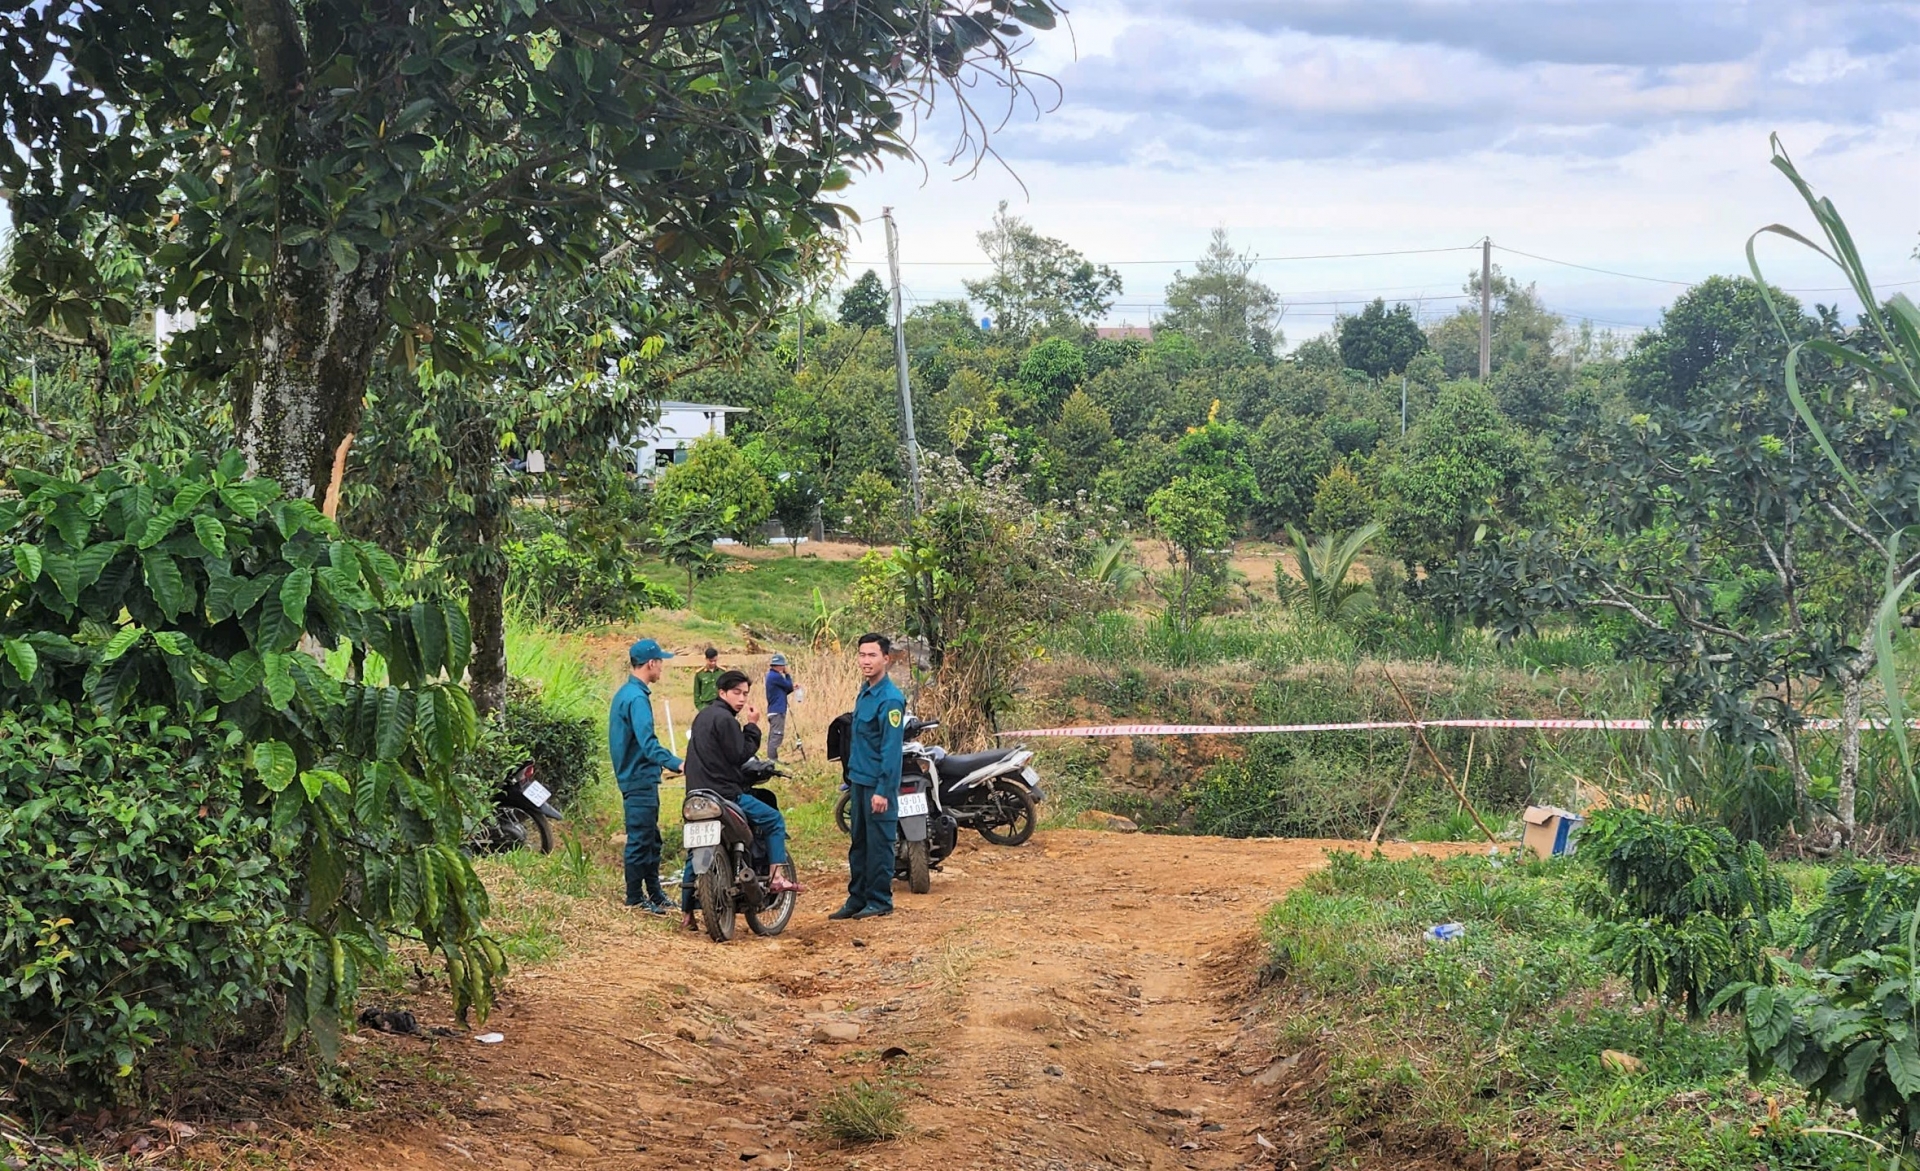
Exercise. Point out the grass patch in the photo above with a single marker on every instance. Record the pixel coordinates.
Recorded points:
(864, 1112)
(1490, 1045)
(771, 596)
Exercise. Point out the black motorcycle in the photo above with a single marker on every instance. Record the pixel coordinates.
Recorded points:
(732, 874)
(523, 815)
(928, 832)
(995, 792)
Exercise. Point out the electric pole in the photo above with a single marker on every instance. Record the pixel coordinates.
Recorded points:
(1486, 308)
(900, 359)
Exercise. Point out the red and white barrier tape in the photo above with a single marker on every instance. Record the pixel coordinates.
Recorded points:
(1401, 725)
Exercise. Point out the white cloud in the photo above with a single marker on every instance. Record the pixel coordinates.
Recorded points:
(1310, 127)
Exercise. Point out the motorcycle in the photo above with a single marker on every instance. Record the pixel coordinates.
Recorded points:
(995, 792)
(731, 870)
(523, 815)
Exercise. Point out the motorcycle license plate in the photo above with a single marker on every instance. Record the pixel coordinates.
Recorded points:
(536, 792)
(696, 834)
(913, 805)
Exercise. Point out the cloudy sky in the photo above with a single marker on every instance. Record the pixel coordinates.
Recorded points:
(1628, 135)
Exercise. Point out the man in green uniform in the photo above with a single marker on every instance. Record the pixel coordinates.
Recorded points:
(873, 770)
(706, 682)
(638, 757)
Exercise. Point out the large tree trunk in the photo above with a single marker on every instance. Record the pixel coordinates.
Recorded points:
(487, 610)
(323, 330)
(1852, 696)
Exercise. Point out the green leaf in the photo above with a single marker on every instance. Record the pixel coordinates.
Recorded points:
(294, 593)
(345, 256)
(429, 624)
(212, 534)
(459, 637)
(64, 573)
(163, 578)
(24, 658)
(157, 530)
(26, 559)
(279, 672)
(1903, 1064)
(173, 642)
(276, 764)
(121, 643)
(395, 724)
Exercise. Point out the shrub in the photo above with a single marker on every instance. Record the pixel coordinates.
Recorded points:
(195, 591)
(142, 900)
(1682, 909)
(715, 470)
(569, 587)
(565, 750)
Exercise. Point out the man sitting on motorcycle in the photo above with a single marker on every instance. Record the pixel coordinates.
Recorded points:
(724, 736)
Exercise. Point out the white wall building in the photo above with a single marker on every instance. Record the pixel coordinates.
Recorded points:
(667, 441)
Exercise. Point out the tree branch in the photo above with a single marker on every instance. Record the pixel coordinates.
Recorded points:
(1854, 527)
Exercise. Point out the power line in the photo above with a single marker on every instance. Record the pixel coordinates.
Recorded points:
(1634, 276)
(1187, 260)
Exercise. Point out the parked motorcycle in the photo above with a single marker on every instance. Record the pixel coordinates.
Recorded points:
(523, 815)
(731, 870)
(995, 792)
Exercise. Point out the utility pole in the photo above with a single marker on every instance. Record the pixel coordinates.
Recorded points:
(1486, 308)
(900, 358)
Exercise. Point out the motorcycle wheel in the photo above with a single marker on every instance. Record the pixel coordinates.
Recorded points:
(715, 895)
(773, 918)
(1013, 818)
(843, 814)
(531, 830)
(919, 869)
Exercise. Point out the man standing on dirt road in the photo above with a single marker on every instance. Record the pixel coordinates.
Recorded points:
(873, 770)
(638, 757)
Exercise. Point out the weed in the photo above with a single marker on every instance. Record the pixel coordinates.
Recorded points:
(863, 1112)
(1492, 1041)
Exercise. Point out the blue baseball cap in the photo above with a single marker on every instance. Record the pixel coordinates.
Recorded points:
(646, 651)
(777, 661)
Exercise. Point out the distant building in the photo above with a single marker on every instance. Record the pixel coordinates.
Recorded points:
(666, 442)
(1124, 333)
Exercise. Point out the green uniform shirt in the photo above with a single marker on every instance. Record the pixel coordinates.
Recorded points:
(706, 688)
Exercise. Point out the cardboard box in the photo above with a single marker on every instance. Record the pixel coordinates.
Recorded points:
(1549, 830)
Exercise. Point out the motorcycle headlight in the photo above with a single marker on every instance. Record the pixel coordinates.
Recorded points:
(699, 807)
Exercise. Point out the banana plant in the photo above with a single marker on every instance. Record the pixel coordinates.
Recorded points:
(1114, 568)
(1323, 588)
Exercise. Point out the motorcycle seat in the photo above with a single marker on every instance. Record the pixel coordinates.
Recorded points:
(953, 767)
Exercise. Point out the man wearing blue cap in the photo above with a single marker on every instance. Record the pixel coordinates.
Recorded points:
(779, 687)
(638, 757)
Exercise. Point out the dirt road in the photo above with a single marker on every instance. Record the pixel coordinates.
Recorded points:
(1070, 1004)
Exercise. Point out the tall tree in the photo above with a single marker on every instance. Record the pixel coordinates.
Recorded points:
(1380, 341)
(865, 303)
(1038, 282)
(309, 173)
(1700, 337)
(1222, 306)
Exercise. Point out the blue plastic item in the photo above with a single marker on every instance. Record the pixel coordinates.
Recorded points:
(1445, 932)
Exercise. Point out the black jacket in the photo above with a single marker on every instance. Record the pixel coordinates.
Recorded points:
(717, 746)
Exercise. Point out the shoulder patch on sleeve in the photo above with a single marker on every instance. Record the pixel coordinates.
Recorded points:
(893, 717)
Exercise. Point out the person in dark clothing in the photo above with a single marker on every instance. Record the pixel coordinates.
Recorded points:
(873, 770)
(779, 687)
(724, 736)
